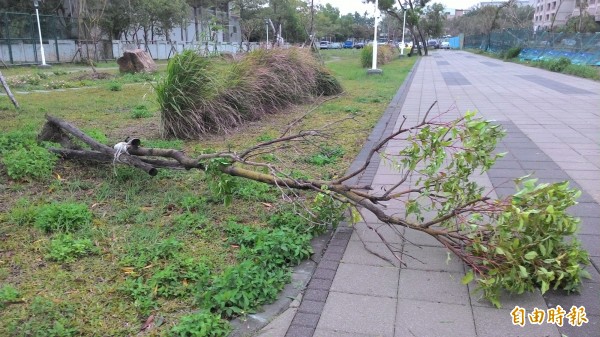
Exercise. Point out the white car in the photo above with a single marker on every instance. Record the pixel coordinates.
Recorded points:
(445, 45)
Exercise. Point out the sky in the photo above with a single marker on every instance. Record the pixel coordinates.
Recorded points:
(351, 6)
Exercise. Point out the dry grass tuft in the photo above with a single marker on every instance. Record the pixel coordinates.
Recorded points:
(198, 97)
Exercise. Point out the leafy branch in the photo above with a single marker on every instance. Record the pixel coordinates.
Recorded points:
(517, 243)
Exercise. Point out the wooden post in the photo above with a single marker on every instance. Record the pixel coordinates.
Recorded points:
(8, 92)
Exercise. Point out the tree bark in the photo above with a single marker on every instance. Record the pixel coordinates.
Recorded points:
(8, 92)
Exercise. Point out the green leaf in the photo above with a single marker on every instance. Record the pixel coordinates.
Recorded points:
(356, 217)
(545, 287)
(467, 278)
(531, 255)
(523, 272)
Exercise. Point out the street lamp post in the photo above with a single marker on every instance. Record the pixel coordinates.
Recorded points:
(37, 15)
(403, 29)
(374, 69)
(267, 26)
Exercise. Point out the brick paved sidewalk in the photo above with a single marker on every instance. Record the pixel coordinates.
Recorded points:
(553, 130)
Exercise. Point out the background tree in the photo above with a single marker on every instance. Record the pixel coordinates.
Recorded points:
(414, 11)
(117, 19)
(251, 20)
(434, 20)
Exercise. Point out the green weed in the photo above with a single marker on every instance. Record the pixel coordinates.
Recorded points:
(175, 144)
(114, 86)
(8, 294)
(23, 158)
(265, 137)
(65, 248)
(253, 191)
(65, 217)
(243, 288)
(44, 318)
(326, 155)
(141, 111)
(201, 324)
(22, 213)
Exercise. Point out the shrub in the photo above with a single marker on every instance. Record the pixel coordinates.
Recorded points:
(384, 55)
(559, 65)
(512, 53)
(201, 324)
(556, 65)
(197, 98)
(65, 248)
(63, 217)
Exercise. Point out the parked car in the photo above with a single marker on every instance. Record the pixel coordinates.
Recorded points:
(445, 45)
(335, 45)
(348, 44)
(359, 45)
(433, 43)
(324, 45)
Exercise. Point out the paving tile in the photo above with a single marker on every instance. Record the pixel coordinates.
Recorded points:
(369, 233)
(306, 319)
(428, 319)
(366, 280)
(589, 329)
(431, 258)
(327, 264)
(591, 243)
(320, 284)
(357, 254)
(322, 273)
(317, 295)
(415, 237)
(432, 286)
(528, 300)
(491, 322)
(299, 331)
(591, 210)
(338, 333)
(359, 314)
(589, 297)
(311, 307)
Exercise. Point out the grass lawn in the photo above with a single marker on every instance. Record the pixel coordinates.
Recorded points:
(140, 246)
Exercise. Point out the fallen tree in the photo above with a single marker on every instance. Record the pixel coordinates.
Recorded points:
(515, 243)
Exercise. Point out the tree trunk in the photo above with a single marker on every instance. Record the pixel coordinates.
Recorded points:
(8, 92)
(196, 24)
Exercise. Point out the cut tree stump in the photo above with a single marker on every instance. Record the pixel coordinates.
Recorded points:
(136, 61)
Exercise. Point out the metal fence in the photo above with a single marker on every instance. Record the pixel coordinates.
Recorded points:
(67, 39)
(580, 48)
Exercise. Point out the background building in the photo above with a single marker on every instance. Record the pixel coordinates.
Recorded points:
(553, 13)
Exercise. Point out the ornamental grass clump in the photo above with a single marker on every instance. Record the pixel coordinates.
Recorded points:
(199, 96)
(385, 54)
